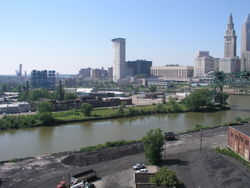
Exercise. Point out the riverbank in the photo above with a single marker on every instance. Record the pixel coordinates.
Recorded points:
(183, 155)
(72, 116)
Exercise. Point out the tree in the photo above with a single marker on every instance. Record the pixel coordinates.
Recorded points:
(44, 107)
(59, 93)
(38, 94)
(219, 82)
(164, 177)
(70, 96)
(86, 109)
(153, 146)
(198, 99)
(46, 117)
(121, 109)
(152, 88)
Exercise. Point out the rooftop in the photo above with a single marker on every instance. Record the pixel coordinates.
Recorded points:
(245, 128)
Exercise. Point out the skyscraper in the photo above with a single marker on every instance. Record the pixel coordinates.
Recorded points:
(230, 62)
(245, 45)
(230, 39)
(119, 68)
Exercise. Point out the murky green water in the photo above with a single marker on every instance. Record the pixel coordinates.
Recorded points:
(43, 140)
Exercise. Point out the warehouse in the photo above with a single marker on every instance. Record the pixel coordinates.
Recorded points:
(238, 139)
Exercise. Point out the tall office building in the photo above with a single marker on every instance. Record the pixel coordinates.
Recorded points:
(245, 45)
(119, 66)
(230, 62)
(204, 63)
(230, 39)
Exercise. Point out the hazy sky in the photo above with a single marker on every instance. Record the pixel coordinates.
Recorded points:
(66, 35)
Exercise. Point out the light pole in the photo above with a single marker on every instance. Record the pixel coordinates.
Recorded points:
(201, 141)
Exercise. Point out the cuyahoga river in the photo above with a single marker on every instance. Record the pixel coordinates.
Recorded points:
(44, 140)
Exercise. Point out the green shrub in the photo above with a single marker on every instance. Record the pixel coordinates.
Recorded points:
(164, 177)
(108, 145)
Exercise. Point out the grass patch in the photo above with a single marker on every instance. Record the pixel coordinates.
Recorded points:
(231, 153)
(108, 145)
(198, 128)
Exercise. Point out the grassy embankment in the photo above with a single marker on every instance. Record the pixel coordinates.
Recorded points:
(231, 153)
(48, 119)
(203, 127)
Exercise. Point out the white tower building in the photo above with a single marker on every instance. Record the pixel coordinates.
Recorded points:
(119, 66)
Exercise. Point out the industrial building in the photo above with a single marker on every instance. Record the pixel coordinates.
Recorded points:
(43, 79)
(13, 108)
(238, 139)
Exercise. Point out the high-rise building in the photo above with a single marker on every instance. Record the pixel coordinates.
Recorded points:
(230, 62)
(138, 67)
(204, 63)
(245, 45)
(230, 39)
(119, 67)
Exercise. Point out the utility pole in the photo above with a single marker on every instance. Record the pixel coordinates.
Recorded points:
(201, 141)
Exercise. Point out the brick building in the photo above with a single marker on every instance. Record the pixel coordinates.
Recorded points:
(238, 139)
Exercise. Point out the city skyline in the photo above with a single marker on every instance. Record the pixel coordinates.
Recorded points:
(47, 35)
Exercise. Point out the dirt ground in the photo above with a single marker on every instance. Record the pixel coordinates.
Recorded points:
(195, 168)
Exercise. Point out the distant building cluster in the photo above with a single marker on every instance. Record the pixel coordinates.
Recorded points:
(43, 79)
(204, 63)
(89, 73)
(143, 72)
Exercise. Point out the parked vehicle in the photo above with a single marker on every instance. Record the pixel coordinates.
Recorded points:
(143, 170)
(169, 135)
(138, 166)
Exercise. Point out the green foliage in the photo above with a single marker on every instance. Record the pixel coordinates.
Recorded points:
(34, 95)
(199, 98)
(175, 106)
(44, 107)
(153, 146)
(86, 109)
(14, 122)
(108, 145)
(152, 88)
(57, 94)
(198, 128)
(231, 153)
(46, 117)
(70, 96)
(160, 108)
(238, 119)
(164, 177)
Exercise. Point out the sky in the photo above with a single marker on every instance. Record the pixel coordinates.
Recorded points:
(67, 35)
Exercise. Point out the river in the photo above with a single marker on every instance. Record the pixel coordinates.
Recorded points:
(45, 140)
